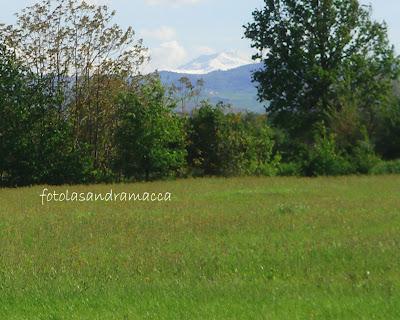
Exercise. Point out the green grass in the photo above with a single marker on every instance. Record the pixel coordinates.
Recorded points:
(245, 248)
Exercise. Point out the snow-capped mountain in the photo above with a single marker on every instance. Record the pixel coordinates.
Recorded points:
(232, 86)
(222, 61)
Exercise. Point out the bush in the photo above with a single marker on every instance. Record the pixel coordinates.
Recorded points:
(323, 158)
(203, 156)
(290, 169)
(363, 156)
(230, 144)
(267, 169)
(388, 132)
(150, 137)
(36, 140)
(386, 167)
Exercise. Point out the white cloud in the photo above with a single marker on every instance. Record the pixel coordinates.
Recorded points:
(167, 56)
(174, 3)
(163, 33)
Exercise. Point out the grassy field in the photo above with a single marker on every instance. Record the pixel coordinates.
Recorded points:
(245, 248)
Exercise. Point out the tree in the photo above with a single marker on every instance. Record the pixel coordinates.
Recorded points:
(36, 145)
(229, 144)
(73, 39)
(388, 136)
(203, 146)
(320, 56)
(86, 57)
(185, 91)
(150, 138)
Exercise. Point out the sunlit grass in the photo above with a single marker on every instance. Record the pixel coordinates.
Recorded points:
(243, 248)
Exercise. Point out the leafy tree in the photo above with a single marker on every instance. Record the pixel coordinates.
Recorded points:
(388, 135)
(320, 57)
(185, 91)
(246, 146)
(72, 38)
(203, 148)
(36, 145)
(230, 144)
(150, 137)
(87, 58)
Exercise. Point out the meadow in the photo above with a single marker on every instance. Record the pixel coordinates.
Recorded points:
(240, 248)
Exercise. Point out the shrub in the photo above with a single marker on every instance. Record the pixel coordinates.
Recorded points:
(363, 156)
(290, 169)
(386, 167)
(150, 137)
(36, 140)
(323, 158)
(230, 144)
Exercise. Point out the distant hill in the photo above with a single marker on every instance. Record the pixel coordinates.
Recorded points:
(222, 61)
(232, 86)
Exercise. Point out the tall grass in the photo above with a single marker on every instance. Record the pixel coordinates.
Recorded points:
(245, 248)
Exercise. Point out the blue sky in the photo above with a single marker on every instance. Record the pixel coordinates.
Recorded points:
(177, 31)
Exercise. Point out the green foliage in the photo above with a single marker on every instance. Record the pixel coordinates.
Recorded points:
(87, 58)
(327, 61)
(246, 146)
(230, 144)
(320, 57)
(388, 131)
(386, 167)
(73, 113)
(150, 138)
(36, 144)
(363, 156)
(324, 158)
(203, 139)
(290, 169)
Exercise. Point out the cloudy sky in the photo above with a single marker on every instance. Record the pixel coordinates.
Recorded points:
(177, 31)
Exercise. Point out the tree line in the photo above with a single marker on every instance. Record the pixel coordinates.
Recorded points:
(75, 108)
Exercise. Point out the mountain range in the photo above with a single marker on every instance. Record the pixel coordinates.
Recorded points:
(227, 77)
(222, 61)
